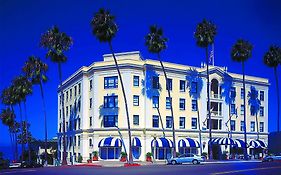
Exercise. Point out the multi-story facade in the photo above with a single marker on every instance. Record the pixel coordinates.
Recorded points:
(94, 106)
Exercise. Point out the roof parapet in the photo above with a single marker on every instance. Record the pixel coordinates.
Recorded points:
(135, 55)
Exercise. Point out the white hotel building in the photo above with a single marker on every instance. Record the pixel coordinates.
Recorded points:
(94, 105)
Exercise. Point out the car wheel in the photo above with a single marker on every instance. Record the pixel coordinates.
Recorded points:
(195, 162)
(173, 162)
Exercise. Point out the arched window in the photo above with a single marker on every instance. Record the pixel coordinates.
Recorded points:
(214, 88)
(90, 142)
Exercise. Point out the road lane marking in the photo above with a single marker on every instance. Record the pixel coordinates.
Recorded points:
(23, 171)
(238, 171)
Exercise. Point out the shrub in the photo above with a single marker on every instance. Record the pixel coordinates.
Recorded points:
(123, 154)
(80, 158)
(149, 154)
(95, 153)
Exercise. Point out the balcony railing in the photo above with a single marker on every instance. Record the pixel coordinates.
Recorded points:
(216, 113)
(216, 96)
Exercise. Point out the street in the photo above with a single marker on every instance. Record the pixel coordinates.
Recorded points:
(270, 168)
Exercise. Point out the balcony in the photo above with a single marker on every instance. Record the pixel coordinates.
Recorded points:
(216, 113)
(109, 111)
(215, 96)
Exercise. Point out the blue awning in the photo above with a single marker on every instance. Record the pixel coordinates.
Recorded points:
(257, 144)
(110, 142)
(239, 143)
(223, 141)
(188, 142)
(136, 142)
(162, 142)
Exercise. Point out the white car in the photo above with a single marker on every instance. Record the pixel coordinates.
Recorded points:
(187, 158)
(15, 165)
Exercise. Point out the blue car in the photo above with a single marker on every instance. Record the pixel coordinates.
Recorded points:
(187, 158)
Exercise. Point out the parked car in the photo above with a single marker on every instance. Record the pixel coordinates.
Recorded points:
(31, 164)
(187, 158)
(270, 158)
(15, 165)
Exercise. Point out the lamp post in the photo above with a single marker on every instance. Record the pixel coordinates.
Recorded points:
(154, 150)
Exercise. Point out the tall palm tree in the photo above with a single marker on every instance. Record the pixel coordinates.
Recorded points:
(193, 76)
(35, 70)
(22, 88)
(104, 28)
(57, 43)
(241, 51)
(254, 103)
(272, 58)
(156, 42)
(205, 36)
(8, 119)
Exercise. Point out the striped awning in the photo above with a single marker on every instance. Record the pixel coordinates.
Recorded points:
(239, 143)
(162, 142)
(257, 144)
(136, 142)
(223, 141)
(110, 142)
(188, 142)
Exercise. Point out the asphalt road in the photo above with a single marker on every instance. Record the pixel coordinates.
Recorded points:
(269, 168)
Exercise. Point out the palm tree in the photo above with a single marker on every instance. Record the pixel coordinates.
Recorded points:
(193, 76)
(272, 58)
(57, 42)
(254, 103)
(104, 29)
(241, 51)
(22, 87)
(205, 36)
(156, 42)
(35, 70)
(8, 119)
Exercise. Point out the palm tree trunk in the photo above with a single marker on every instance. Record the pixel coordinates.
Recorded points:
(162, 125)
(12, 143)
(257, 126)
(26, 130)
(125, 101)
(45, 117)
(64, 161)
(208, 108)
(123, 143)
(22, 135)
(278, 99)
(172, 112)
(244, 102)
(199, 127)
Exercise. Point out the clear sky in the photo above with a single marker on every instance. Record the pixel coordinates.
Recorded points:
(22, 23)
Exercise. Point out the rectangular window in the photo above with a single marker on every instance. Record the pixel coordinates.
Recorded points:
(242, 123)
(67, 96)
(232, 109)
(182, 85)
(168, 122)
(155, 121)
(242, 109)
(70, 94)
(91, 84)
(110, 121)
(136, 100)
(261, 126)
(60, 113)
(232, 125)
(261, 111)
(75, 91)
(182, 104)
(168, 103)
(70, 109)
(78, 140)
(194, 105)
(136, 119)
(242, 93)
(169, 84)
(194, 87)
(232, 92)
(155, 82)
(91, 121)
(110, 101)
(110, 82)
(91, 101)
(66, 126)
(155, 101)
(66, 110)
(182, 122)
(252, 126)
(261, 95)
(136, 81)
(193, 123)
(79, 88)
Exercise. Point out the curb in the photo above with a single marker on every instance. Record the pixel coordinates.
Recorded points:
(230, 162)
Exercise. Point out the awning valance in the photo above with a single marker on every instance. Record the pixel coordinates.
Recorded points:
(257, 144)
(110, 142)
(136, 142)
(223, 141)
(162, 142)
(188, 142)
(239, 143)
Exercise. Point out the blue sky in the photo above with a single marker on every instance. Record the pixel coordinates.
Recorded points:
(22, 23)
